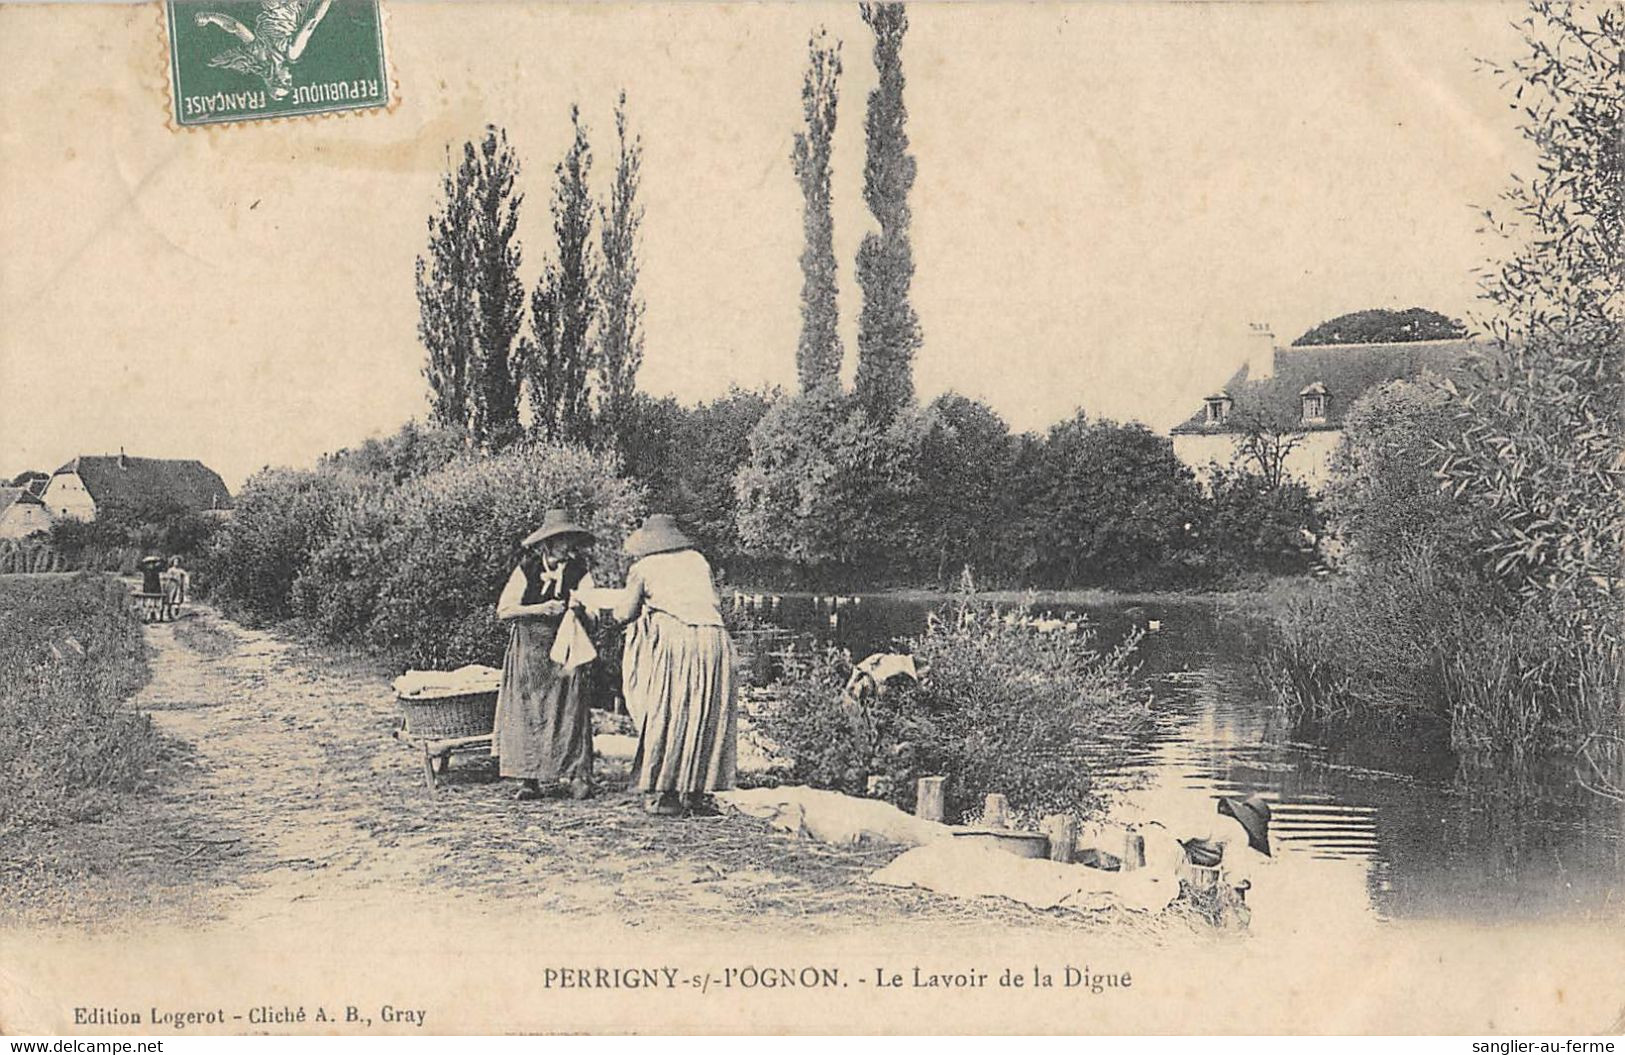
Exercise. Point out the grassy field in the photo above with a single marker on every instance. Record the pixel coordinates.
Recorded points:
(72, 654)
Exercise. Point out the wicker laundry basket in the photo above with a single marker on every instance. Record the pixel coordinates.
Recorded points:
(438, 726)
(449, 717)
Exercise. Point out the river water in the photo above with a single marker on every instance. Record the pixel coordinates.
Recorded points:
(1387, 828)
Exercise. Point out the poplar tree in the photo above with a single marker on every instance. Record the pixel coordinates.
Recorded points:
(620, 345)
(446, 299)
(888, 329)
(470, 299)
(499, 294)
(560, 358)
(819, 353)
(445, 304)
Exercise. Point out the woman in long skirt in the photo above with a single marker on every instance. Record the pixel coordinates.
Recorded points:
(543, 734)
(678, 673)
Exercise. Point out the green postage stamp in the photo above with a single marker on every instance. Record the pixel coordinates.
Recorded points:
(244, 60)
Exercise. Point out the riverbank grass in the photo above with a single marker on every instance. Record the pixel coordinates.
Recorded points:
(72, 653)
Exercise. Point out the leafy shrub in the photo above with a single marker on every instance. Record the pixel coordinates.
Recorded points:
(93, 545)
(1383, 493)
(1113, 502)
(73, 652)
(686, 457)
(1247, 523)
(449, 540)
(412, 451)
(122, 534)
(829, 491)
(337, 589)
(413, 569)
(1002, 707)
(1424, 624)
(282, 517)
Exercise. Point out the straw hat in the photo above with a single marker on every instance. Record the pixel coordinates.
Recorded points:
(1254, 814)
(659, 534)
(556, 522)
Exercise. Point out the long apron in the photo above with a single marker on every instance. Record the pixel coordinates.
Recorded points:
(543, 725)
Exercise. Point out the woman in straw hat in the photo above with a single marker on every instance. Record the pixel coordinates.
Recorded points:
(543, 734)
(678, 672)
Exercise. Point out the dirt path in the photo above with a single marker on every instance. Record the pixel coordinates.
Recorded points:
(284, 789)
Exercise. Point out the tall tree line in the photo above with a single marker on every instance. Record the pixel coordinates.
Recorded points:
(584, 345)
(888, 328)
(827, 467)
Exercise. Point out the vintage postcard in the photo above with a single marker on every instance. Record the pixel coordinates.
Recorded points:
(970, 518)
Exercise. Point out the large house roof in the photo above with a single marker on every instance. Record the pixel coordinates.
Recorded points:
(121, 479)
(10, 496)
(1344, 371)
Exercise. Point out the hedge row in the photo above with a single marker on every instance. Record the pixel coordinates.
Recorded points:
(414, 568)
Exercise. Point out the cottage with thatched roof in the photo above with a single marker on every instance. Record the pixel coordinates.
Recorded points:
(94, 483)
(1302, 393)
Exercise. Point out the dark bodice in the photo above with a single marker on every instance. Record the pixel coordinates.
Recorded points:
(545, 582)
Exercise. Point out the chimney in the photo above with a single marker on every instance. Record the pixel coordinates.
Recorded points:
(1260, 352)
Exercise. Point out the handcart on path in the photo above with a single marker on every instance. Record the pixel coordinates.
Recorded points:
(446, 712)
(156, 601)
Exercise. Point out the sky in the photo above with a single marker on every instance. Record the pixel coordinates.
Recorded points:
(1107, 196)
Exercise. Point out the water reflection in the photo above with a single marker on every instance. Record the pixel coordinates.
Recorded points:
(1383, 826)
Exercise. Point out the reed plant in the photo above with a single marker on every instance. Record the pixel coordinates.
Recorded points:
(1415, 640)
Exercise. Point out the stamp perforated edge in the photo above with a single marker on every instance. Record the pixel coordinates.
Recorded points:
(170, 89)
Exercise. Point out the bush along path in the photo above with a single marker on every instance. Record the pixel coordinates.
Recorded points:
(281, 784)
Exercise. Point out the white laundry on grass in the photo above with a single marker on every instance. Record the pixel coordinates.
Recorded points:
(947, 865)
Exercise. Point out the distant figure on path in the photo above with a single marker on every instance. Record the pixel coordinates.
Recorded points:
(152, 575)
(678, 673)
(543, 732)
(177, 583)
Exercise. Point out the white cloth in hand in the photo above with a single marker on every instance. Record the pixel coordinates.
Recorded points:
(572, 645)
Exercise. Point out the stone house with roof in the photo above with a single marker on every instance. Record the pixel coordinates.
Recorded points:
(1304, 393)
(22, 513)
(93, 483)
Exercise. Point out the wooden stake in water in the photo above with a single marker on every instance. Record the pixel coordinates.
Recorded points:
(1133, 851)
(928, 798)
(1062, 829)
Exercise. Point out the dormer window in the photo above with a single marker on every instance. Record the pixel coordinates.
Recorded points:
(1314, 400)
(1218, 408)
